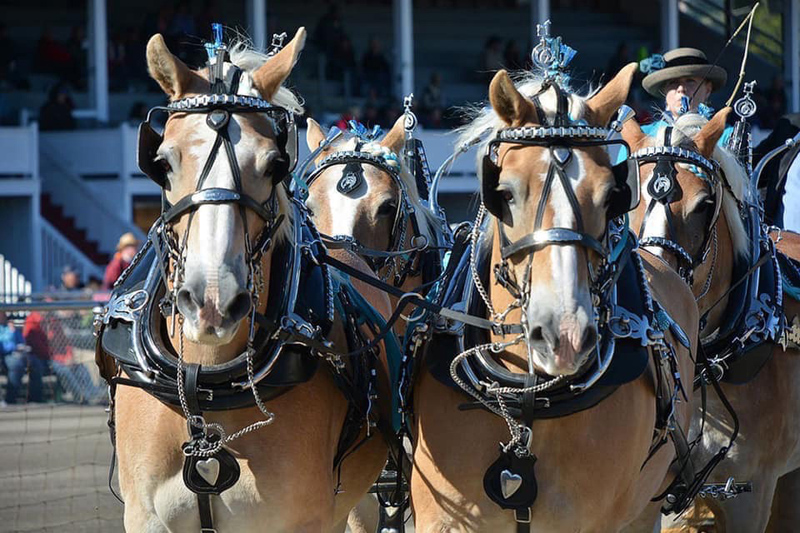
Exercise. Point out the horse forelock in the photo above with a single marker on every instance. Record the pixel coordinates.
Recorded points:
(734, 174)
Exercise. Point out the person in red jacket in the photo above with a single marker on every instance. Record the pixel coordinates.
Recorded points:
(126, 249)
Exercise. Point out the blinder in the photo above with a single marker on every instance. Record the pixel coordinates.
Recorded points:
(624, 196)
(151, 135)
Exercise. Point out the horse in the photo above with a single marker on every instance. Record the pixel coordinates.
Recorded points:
(363, 196)
(697, 224)
(551, 196)
(234, 247)
(363, 189)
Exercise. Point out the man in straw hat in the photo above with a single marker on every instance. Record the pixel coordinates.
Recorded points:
(685, 79)
(126, 249)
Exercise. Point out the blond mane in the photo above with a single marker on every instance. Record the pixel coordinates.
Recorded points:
(733, 173)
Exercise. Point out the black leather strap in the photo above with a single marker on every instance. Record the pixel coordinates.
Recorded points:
(192, 378)
(206, 517)
(213, 196)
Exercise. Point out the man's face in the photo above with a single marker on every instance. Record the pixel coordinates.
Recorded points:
(70, 280)
(693, 87)
(127, 253)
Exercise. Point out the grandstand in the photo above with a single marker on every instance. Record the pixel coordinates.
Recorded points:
(60, 205)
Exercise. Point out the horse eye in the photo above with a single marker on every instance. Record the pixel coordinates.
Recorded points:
(163, 164)
(705, 206)
(387, 209)
(507, 196)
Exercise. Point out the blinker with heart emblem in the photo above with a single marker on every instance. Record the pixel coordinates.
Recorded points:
(562, 154)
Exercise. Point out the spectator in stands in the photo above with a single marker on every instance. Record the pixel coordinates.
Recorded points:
(78, 48)
(70, 279)
(432, 102)
(10, 76)
(31, 359)
(617, 61)
(492, 58)
(342, 61)
(56, 113)
(329, 30)
(126, 249)
(117, 66)
(512, 58)
(12, 344)
(51, 57)
(775, 103)
(375, 68)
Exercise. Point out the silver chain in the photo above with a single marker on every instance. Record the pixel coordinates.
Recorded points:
(205, 449)
(473, 264)
(707, 284)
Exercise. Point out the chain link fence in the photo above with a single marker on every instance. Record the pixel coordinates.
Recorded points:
(55, 449)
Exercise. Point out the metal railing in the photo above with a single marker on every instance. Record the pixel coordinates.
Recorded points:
(13, 284)
(58, 251)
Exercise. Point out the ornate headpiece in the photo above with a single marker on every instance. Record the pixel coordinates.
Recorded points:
(551, 56)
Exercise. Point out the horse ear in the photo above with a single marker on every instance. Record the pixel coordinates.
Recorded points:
(396, 137)
(270, 75)
(706, 139)
(603, 105)
(171, 73)
(633, 135)
(314, 134)
(509, 104)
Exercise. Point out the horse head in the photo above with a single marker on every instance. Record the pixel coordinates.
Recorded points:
(221, 162)
(691, 190)
(551, 186)
(363, 189)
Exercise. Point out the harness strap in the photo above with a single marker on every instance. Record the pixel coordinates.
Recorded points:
(206, 516)
(192, 377)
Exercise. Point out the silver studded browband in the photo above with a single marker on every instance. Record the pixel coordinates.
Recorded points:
(208, 100)
(690, 156)
(341, 158)
(565, 132)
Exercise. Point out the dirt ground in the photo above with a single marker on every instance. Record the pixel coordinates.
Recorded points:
(54, 470)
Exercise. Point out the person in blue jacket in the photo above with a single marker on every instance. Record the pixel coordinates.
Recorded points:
(685, 80)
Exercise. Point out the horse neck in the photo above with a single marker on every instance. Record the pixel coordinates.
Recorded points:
(204, 354)
(722, 272)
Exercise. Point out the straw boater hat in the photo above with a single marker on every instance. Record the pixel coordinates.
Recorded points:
(683, 63)
(128, 239)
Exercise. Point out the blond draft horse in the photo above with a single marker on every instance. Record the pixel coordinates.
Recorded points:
(590, 464)
(767, 451)
(368, 212)
(287, 480)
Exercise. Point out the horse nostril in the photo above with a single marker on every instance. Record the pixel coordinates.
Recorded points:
(188, 302)
(239, 306)
(536, 334)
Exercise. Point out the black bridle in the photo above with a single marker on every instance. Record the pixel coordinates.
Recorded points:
(663, 188)
(405, 213)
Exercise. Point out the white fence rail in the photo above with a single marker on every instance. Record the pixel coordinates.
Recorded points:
(12, 283)
(57, 251)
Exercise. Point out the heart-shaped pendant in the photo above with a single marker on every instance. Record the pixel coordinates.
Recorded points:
(209, 470)
(509, 483)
